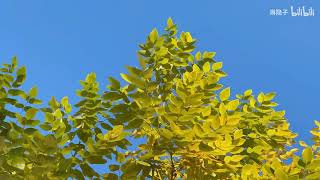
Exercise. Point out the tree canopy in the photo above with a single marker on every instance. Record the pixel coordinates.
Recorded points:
(190, 125)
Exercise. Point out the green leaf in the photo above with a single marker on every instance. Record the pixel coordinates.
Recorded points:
(87, 170)
(204, 147)
(114, 84)
(33, 92)
(96, 160)
(166, 133)
(17, 162)
(91, 78)
(31, 122)
(30, 131)
(21, 77)
(35, 101)
(135, 123)
(45, 127)
(133, 80)
(14, 62)
(16, 92)
(31, 113)
(65, 101)
(225, 94)
(153, 35)
(116, 134)
(143, 163)
(120, 157)
(53, 103)
(113, 167)
(110, 176)
(57, 114)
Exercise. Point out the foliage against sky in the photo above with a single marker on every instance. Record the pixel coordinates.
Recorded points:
(193, 128)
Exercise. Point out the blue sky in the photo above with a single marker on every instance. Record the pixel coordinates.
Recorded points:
(61, 41)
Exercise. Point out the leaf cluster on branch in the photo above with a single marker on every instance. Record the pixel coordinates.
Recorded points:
(172, 120)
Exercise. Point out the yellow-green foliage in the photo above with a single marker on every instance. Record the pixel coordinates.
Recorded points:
(191, 126)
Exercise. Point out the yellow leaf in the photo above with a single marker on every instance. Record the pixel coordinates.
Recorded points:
(206, 111)
(317, 123)
(237, 134)
(247, 92)
(260, 98)
(237, 158)
(217, 66)
(303, 144)
(153, 35)
(269, 96)
(215, 123)
(206, 67)
(222, 121)
(57, 114)
(188, 37)
(281, 174)
(198, 56)
(170, 22)
(222, 109)
(233, 121)
(232, 105)
(195, 68)
(166, 133)
(307, 155)
(225, 94)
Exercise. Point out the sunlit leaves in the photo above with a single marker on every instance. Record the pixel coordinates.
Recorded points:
(172, 111)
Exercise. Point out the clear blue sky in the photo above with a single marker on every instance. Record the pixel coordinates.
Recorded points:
(61, 41)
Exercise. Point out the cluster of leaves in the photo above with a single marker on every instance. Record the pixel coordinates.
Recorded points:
(190, 126)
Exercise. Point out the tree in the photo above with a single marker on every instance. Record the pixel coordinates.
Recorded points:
(190, 125)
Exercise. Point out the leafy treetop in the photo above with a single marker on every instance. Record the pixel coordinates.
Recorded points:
(191, 126)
